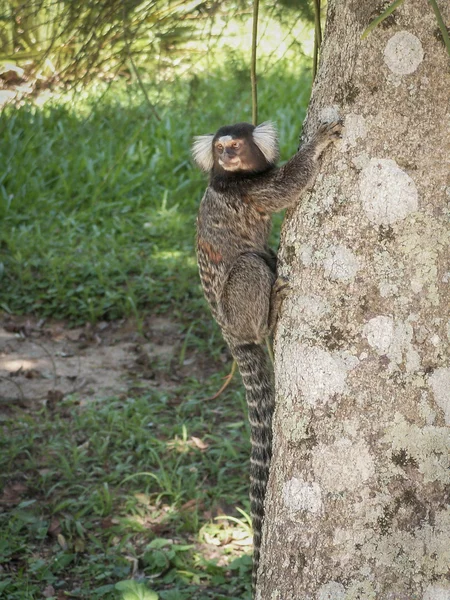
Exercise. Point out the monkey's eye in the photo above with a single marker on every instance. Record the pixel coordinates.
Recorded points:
(219, 147)
(235, 145)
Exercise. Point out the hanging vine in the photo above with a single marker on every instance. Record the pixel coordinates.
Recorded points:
(253, 63)
(317, 36)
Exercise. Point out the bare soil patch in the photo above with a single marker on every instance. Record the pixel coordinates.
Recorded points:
(42, 361)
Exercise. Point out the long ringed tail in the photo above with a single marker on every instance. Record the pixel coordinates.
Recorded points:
(257, 378)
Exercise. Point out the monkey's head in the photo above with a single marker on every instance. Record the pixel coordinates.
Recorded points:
(237, 148)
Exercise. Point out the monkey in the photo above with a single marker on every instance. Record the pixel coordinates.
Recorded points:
(238, 270)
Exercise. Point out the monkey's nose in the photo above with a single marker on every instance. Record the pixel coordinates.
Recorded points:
(227, 157)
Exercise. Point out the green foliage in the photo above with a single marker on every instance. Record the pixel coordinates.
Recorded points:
(131, 590)
(74, 41)
(84, 521)
(115, 500)
(98, 199)
(65, 42)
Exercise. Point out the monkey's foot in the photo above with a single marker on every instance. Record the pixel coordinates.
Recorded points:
(280, 290)
(331, 130)
(281, 286)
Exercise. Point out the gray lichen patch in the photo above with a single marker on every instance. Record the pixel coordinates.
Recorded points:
(429, 446)
(403, 53)
(329, 114)
(309, 308)
(317, 374)
(423, 550)
(343, 465)
(424, 243)
(388, 194)
(380, 333)
(355, 129)
(331, 591)
(306, 255)
(306, 313)
(440, 384)
(340, 263)
(359, 590)
(393, 339)
(300, 495)
(437, 592)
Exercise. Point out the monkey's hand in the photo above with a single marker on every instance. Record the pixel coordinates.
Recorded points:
(326, 133)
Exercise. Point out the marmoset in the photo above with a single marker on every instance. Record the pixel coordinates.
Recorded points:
(238, 269)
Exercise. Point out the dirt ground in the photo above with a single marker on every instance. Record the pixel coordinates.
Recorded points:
(41, 361)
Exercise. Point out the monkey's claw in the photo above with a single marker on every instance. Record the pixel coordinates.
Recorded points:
(331, 130)
(281, 286)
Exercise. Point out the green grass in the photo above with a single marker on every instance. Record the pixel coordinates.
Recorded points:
(97, 205)
(98, 199)
(121, 485)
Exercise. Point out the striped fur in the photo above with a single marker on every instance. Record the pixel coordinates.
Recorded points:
(258, 382)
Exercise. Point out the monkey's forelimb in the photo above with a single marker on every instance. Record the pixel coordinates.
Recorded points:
(277, 190)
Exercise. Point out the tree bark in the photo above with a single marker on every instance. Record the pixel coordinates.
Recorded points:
(358, 499)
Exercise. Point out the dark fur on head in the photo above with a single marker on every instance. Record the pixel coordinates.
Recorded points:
(240, 148)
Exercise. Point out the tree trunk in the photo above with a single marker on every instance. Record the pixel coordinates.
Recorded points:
(358, 498)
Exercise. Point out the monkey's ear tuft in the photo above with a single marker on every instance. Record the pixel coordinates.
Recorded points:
(202, 151)
(265, 137)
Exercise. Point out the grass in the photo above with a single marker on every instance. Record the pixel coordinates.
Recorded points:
(123, 487)
(118, 499)
(98, 199)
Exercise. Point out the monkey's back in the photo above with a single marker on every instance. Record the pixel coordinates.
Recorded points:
(228, 225)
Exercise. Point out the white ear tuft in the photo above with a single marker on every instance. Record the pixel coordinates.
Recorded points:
(265, 137)
(202, 151)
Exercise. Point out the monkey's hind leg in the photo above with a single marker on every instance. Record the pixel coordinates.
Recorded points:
(245, 300)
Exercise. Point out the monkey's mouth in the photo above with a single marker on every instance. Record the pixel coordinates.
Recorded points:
(231, 163)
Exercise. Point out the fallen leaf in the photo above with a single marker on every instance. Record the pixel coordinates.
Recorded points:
(142, 499)
(13, 493)
(109, 522)
(54, 396)
(62, 541)
(201, 445)
(134, 564)
(191, 505)
(55, 527)
(33, 374)
(209, 539)
(248, 541)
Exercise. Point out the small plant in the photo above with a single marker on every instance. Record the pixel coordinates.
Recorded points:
(132, 590)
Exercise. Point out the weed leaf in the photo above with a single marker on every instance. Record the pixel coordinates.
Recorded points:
(131, 590)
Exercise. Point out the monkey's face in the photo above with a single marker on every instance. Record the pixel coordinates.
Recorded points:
(231, 153)
(237, 148)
